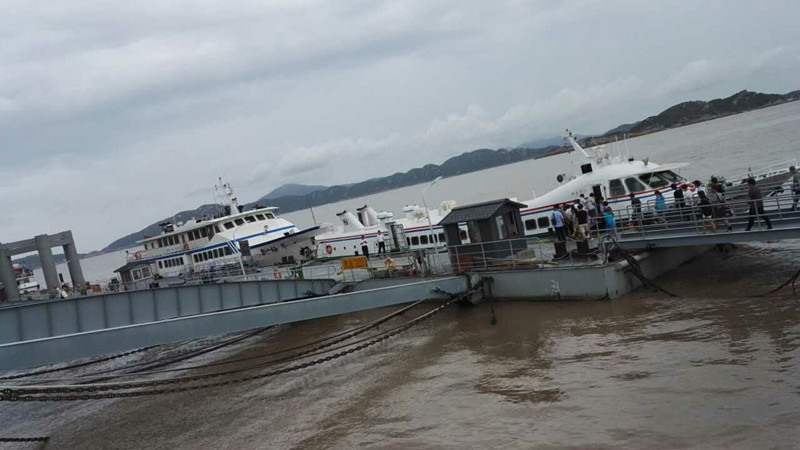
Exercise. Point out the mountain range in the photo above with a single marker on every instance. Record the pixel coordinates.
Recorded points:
(293, 197)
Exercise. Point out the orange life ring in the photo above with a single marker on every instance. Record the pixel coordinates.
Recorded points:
(328, 249)
(137, 256)
(186, 246)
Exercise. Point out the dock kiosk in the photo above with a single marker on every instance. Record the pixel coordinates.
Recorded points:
(494, 232)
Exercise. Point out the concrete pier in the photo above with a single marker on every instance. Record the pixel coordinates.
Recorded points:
(7, 276)
(43, 245)
(73, 262)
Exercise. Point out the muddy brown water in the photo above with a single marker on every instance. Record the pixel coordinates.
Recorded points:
(717, 367)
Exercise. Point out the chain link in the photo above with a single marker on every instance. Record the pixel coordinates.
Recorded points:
(26, 439)
(15, 395)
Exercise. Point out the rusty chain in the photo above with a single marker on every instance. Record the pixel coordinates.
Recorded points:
(14, 394)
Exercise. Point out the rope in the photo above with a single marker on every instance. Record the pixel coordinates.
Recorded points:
(791, 281)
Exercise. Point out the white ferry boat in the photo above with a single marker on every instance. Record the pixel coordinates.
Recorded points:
(411, 232)
(209, 243)
(610, 178)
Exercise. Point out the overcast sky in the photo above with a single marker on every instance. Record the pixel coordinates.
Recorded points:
(116, 114)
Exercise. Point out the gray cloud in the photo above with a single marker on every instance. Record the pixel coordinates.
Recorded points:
(113, 115)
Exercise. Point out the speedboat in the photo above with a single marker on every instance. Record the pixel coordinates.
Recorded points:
(610, 177)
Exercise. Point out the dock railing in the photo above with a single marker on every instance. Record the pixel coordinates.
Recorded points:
(686, 216)
(526, 253)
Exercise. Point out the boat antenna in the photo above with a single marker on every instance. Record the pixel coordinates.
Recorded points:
(311, 208)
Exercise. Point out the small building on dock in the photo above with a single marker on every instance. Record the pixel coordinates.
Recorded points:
(494, 229)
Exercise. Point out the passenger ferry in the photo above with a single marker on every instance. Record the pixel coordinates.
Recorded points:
(208, 243)
(611, 178)
(411, 232)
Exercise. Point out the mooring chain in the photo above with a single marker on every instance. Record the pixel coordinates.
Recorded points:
(13, 394)
(75, 366)
(317, 346)
(26, 439)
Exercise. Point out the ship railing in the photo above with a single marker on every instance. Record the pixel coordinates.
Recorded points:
(779, 202)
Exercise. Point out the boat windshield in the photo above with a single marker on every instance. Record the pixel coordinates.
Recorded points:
(660, 179)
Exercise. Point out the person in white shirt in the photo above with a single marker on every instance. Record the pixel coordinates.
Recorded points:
(381, 243)
(364, 246)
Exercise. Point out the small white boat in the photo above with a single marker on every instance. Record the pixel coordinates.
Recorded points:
(412, 232)
(25, 281)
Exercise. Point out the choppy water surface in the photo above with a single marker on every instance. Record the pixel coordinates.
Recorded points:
(717, 367)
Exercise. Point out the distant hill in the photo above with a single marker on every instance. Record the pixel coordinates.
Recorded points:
(293, 197)
(291, 189)
(320, 195)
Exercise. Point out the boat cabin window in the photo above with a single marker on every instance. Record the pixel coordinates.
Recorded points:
(441, 237)
(250, 219)
(634, 185)
(228, 225)
(543, 222)
(423, 239)
(670, 176)
(160, 266)
(463, 235)
(530, 224)
(260, 217)
(270, 215)
(654, 180)
(616, 188)
(239, 221)
(415, 240)
(216, 228)
(146, 272)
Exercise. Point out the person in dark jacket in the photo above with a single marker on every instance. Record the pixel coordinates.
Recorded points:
(680, 203)
(756, 205)
(706, 211)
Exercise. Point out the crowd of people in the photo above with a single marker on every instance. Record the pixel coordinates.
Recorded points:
(587, 215)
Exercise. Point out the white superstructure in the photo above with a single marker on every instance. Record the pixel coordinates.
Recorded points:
(610, 177)
(411, 232)
(206, 243)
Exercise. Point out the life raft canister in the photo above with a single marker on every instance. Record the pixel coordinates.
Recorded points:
(328, 249)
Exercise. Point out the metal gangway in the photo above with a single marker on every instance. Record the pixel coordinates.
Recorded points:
(681, 225)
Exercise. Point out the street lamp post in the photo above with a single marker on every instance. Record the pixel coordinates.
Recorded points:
(241, 263)
(427, 211)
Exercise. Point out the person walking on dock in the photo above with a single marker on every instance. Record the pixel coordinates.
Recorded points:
(611, 224)
(706, 211)
(364, 246)
(661, 207)
(583, 223)
(756, 205)
(720, 208)
(382, 244)
(680, 202)
(636, 210)
(557, 218)
(795, 187)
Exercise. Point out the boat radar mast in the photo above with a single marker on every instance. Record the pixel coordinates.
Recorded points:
(597, 153)
(229, 200)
